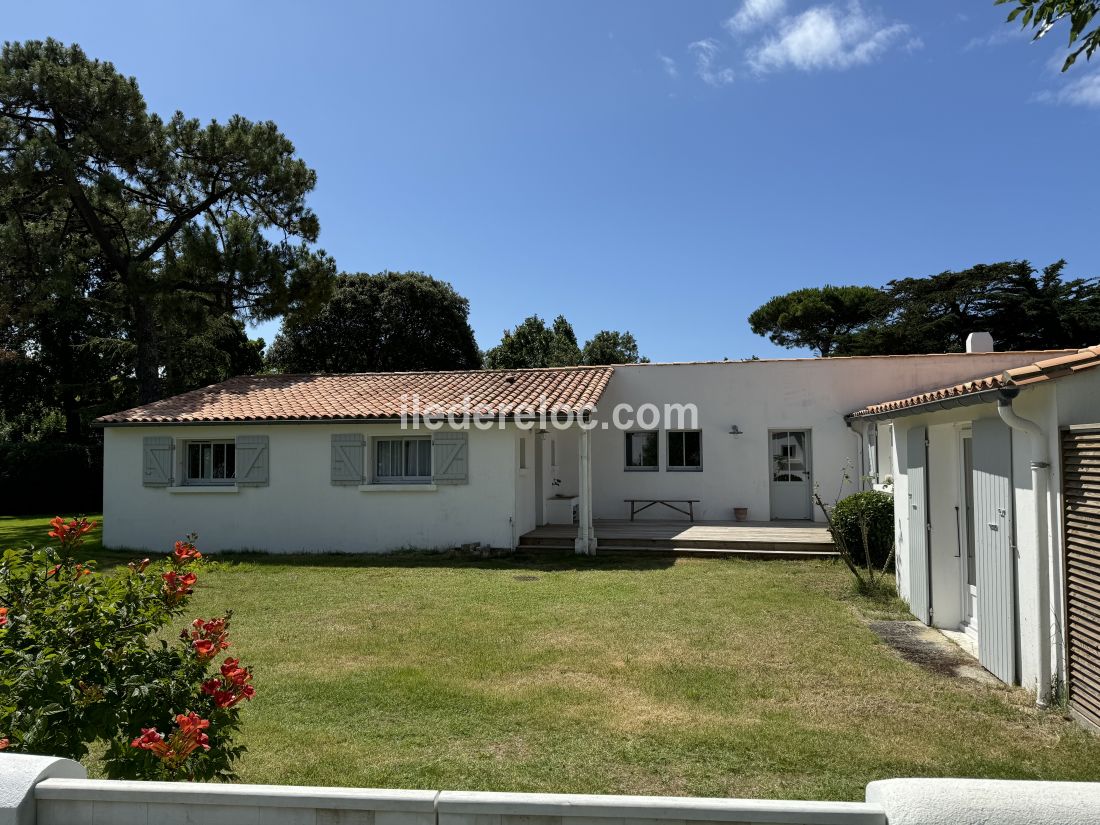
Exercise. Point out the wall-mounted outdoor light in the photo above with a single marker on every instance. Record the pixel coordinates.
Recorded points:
(735, 430)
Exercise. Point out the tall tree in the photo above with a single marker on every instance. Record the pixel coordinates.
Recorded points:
(612, 347)
(1044, 15)
(534, 344)
(823, 318)
(1020, 307)
(217, 211)
(378, 323)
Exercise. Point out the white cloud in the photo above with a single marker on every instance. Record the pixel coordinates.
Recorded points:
(1082, 91)
(998, 37)
(706, 56)
(827, 37)
(754, 13)
(670, 67)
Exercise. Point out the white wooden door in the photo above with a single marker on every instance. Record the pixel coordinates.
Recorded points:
(995, 562)
(791, 479)
(920, 578)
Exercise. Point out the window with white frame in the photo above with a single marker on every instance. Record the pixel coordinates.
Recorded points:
(211, 462)
(641, 451)
(403, 460)
(685, 450)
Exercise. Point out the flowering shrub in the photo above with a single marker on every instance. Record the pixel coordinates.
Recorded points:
(82, 661)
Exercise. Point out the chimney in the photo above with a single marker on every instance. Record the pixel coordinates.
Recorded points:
(979, 342)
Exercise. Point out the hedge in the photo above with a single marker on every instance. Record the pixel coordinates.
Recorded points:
(878, 509)
(50, 477)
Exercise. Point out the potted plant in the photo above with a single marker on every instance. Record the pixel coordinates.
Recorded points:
(741, 513)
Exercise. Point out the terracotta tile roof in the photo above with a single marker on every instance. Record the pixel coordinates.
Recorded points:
(1046, 370)
(375, 396)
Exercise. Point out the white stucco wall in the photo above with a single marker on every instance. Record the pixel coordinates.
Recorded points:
(1067, 401)
(759, 396)
(300, 510)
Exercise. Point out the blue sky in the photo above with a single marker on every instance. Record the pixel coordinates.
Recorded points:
(661, 167)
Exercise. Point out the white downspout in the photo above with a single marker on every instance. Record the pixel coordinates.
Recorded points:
(1040, 463)
(582, 544)
(591, 511)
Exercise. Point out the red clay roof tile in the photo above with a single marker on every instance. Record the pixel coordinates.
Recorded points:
(1045, 370)
(368, 396)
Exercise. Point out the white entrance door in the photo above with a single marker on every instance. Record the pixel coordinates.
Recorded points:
(791, 485)
(969, 572)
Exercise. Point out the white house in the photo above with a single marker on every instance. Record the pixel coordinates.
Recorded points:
(997, 504)
(293, 463)
(996, 478)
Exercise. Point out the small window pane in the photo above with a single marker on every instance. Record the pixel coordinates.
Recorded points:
(230, 460)
(382, 456)
(425, 465)
(194, 461)
(693, 453)
(675, 449)
(207, 461)
(641, 450)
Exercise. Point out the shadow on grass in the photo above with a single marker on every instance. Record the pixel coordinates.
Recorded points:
(548, 560)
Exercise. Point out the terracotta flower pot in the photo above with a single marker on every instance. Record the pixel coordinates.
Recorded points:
(741, 513)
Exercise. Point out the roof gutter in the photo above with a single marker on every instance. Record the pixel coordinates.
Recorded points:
(579, 415)
(968, 400)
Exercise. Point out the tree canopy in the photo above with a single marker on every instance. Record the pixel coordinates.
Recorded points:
(611, 347)
(126, 222)
(1020, 306)
(1043, 15)
(824, 319)
(534, 344)
(378, 323)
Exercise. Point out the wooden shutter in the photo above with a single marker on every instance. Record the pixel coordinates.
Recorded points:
(156, 460)
(347, 459)
(252, 460)
(450, 464)
(1081, 502)
(994, 548)
(920, 582)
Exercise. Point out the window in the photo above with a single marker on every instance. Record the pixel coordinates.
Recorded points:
(211, 462)
(685, 451)
(789, 458)
(553, 453)
(641, 451)
(523, 453)
(402, 460)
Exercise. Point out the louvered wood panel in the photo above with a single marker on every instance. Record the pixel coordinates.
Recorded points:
(1081, 525)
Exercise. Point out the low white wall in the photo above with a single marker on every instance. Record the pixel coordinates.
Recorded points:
(31, 796)
(75, 802)
(468, 808)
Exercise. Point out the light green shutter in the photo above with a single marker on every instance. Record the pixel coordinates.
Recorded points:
(450, 462)
(156, 460)
(252, 460)
(347, 459)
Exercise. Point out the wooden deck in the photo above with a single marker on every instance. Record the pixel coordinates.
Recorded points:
(786, 539)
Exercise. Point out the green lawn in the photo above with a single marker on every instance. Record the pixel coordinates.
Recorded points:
(702, 677)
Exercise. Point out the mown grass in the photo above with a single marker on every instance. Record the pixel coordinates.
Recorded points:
(700, 677)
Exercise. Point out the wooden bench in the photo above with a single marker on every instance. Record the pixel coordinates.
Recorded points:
(677, 504)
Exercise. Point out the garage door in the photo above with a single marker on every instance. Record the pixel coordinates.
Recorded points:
(1081, 492)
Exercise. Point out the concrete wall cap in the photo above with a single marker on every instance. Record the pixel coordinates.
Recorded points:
(986, 802)
(658, 807)
(269, 796)
(20, 774)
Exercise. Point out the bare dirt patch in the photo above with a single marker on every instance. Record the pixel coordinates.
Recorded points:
(931, 650)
